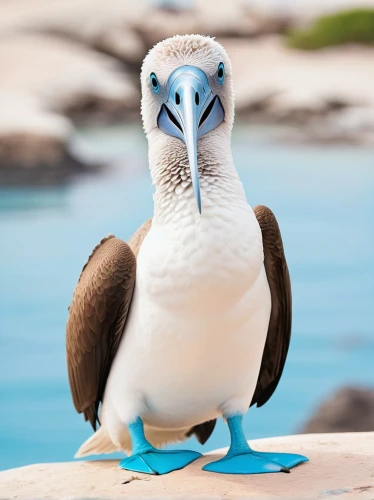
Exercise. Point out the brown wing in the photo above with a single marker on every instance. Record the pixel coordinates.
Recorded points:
(279, 331)
(97, 317)
(137, 238)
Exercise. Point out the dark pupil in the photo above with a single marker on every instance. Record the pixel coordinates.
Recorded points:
(154, 81)
(220, 73)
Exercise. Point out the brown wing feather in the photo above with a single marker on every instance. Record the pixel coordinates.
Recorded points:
(279, 330)
(137, 238)
(97, 317)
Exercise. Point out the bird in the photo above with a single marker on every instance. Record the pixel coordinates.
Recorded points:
(191, 320)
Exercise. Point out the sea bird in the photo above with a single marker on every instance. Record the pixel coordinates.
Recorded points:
(191, 320)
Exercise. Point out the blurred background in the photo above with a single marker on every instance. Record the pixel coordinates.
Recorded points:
(73, 168)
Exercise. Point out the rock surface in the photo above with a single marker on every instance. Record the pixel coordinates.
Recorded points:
(340, 464)
(350, 409)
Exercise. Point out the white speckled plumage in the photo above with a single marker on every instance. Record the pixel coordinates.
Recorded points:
(196, 330)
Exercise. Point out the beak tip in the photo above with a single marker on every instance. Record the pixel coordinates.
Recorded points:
(199, 204)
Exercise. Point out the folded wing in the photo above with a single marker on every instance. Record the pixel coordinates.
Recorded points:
(279, 330)
(96, 321)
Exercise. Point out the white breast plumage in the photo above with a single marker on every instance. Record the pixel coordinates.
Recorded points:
(191, 336)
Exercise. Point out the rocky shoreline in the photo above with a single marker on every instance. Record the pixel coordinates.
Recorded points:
(67, 66)
(340, 464)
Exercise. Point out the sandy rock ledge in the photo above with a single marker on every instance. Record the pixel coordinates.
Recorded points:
(340, 465)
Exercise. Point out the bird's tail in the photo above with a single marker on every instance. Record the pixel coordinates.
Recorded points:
(99, 442)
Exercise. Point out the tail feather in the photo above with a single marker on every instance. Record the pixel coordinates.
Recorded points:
(99, 442)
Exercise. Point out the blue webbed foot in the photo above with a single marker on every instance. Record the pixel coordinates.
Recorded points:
(158, 462)
(241, 459)
(149, 460)
(287, 460)
(254, 462)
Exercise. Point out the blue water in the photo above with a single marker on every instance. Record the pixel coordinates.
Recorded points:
(323, 198)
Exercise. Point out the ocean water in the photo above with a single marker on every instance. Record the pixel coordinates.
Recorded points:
(323, 198)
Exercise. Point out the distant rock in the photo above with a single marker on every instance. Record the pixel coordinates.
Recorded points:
(292, 81)
(349, 125)
(46, 82)
(207, 17)
(350, 341)
(127, 30)
(61, 74)
(34, 144)
(103, 24)
(351, 409)
(329, 92)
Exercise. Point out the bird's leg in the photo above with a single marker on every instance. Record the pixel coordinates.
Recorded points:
(241, 459)
(149, 460)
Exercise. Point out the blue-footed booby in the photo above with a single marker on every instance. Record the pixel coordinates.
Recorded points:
(191, 320)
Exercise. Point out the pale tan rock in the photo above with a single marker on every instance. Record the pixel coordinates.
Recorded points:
(340, 464)
(206, 17)
(292, 81)
(43, 81)
(32, 140)
(59, 73)
(54, 13)
(104, 24)
(23, 113)
(127, 29)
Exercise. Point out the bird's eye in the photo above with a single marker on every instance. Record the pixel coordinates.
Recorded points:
(154, 83)
(221, 73)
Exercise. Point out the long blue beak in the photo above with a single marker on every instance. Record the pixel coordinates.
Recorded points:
(191, 111)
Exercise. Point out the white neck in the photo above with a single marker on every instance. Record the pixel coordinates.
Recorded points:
(174, 200)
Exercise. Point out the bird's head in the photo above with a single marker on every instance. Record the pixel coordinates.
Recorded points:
(187, 93)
